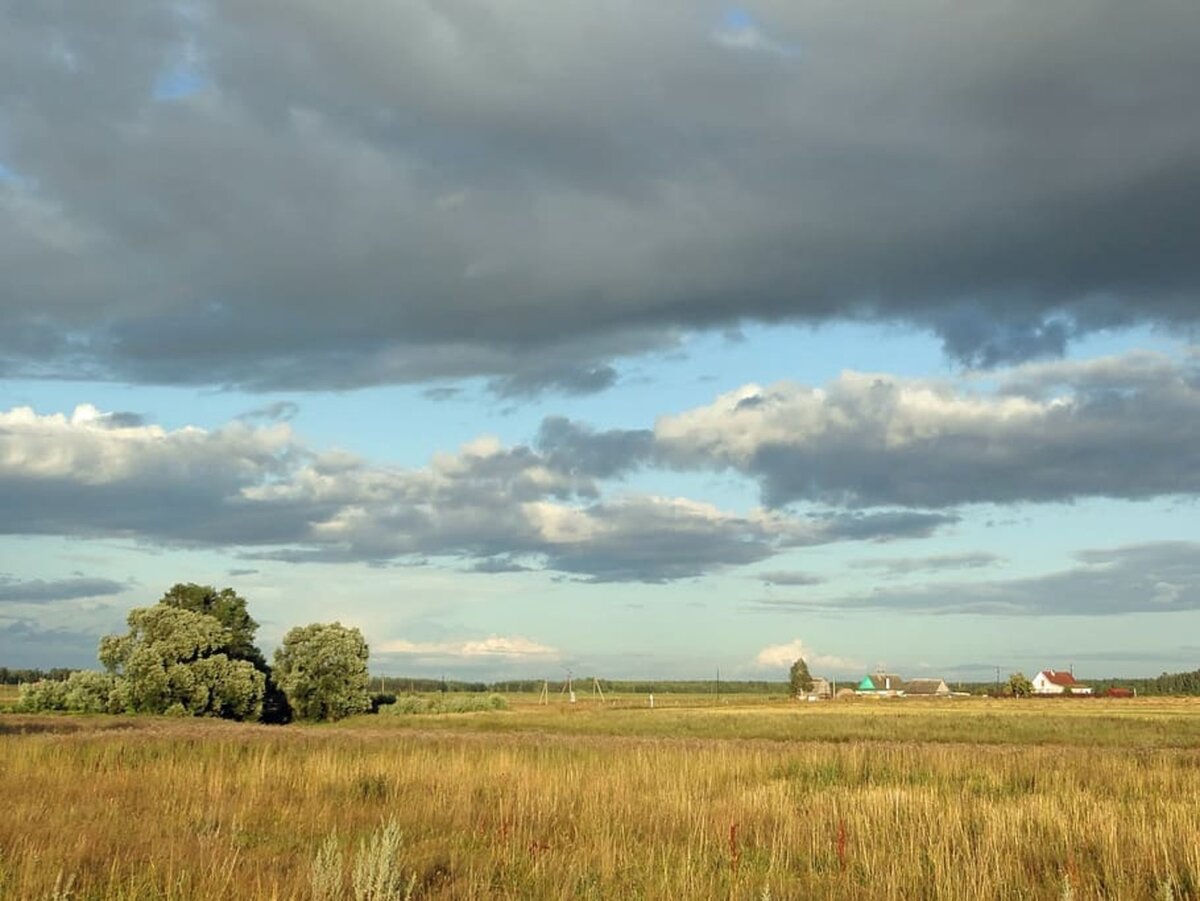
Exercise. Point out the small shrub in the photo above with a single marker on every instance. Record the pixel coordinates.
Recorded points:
(326, 875)
(377, 873)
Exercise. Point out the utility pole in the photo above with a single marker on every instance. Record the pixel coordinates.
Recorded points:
(997, 680)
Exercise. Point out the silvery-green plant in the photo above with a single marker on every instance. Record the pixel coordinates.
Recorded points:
(326, 875)
(377, 872)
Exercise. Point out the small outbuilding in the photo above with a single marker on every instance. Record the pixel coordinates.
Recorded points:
(821, 689)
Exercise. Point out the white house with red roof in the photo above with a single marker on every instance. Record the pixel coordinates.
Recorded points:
(1057, 682)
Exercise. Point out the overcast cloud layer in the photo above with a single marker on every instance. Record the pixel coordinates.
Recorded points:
(318, 195)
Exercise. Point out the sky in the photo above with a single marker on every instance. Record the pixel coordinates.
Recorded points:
(632, 339)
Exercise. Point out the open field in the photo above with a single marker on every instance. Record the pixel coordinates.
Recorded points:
(964, 799)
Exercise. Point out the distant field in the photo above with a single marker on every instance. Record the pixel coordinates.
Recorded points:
(1159, 722)
(893, 799)
(8, 695)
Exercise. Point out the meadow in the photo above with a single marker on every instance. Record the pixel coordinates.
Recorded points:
(748, 798)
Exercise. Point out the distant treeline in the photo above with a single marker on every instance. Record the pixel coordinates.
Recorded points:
(583, 684)
(21, 676)
(1166, 684)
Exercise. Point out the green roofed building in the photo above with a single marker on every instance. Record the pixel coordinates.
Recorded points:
(882, 685)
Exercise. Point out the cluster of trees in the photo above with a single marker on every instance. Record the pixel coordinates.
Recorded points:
(1167, 684)
(193, 654)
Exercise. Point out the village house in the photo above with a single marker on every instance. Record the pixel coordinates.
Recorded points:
(926, 688)
(881, 685)
(1057, 682)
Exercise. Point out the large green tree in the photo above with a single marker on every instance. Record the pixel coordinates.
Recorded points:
(322, 668)
(229, 609)
(173, 660)
(799, 678)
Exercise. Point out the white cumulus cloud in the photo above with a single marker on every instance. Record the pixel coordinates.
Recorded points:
(782, 656)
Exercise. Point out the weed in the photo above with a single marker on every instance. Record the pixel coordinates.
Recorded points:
(327, 875)
(377, 872)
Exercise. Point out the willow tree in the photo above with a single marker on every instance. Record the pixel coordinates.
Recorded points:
(322, 668)
(174, 660)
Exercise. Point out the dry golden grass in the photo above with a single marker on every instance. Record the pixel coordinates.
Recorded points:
(556, 803)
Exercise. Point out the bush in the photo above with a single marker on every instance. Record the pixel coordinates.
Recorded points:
(322, 668)
(84, 691)
(88, 691)
(452, 703)
(43, 695)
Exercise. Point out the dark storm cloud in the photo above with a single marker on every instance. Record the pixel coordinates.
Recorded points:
(1162, 577)
(39, 591)
(370, 192)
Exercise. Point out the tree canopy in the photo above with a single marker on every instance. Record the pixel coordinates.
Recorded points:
(1019, 686)
(229, 608)
(322, 668)
(800, 681)
(174, 660)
